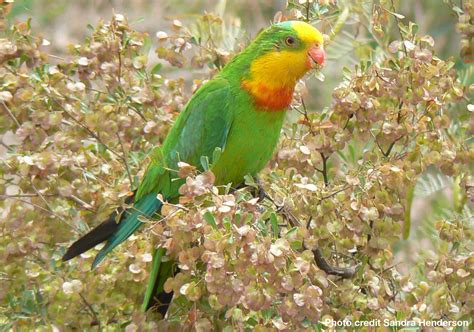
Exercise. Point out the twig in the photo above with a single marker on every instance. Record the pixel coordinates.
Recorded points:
(94, 135)
(85, 205)
(306, 117)
(334, 193)
(39, 194)
(348, 119)
(324, 171)
(39, 207)
(307, 10)
(398, 26)
(399, 114)
(89, 131)
(91, 310)
(124, 158)
(10, 114)
(387, 153)
(23, 196)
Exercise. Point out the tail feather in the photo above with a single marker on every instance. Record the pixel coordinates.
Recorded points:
(147, 206)
(115, 232)
(97, 235)
(155, 296)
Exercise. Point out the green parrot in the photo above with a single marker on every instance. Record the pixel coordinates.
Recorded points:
(238, 113)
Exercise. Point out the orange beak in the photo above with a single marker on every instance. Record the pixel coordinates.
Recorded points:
(317, 55)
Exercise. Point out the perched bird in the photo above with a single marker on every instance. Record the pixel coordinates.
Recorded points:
(238, 113)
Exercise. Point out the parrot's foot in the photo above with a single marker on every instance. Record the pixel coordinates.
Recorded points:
(257, 191)
(261, 194)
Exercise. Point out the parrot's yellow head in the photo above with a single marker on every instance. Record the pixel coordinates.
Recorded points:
(284, 53)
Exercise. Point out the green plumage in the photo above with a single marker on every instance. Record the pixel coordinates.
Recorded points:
(220, 115)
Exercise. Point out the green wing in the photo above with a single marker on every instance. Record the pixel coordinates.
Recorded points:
(200, 130)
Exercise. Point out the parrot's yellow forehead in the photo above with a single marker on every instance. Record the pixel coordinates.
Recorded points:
(307, 33)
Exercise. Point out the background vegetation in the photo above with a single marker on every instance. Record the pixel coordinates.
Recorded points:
(373, 174)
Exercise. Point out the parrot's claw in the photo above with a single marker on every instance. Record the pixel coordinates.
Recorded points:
(261, 194)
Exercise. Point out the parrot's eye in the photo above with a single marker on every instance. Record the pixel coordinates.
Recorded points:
(290, 41)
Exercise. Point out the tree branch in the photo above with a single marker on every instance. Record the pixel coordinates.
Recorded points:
(10, 114)
(343, 272)
(324, 171)
(124, 159)
(96, 320)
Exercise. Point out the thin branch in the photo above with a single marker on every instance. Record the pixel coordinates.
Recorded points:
(10, 114)
(89, 131)
(334, 193)
(124, 158)
(324, 171)
(399, 114)
(389, 150)
(398, 26)
(23, 196)
(91, 310)
(308, 3)
(306, 117)
(40, 195)
(85, 205)
(348, 119)
(50, 212)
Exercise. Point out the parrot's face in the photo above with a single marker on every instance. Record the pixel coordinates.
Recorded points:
(301, 42)
(283, 53)
(289, 50)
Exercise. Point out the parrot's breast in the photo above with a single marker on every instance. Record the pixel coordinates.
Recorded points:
(251, 143)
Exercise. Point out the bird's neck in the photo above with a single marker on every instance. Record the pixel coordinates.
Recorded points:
(271, 78)
(267, 96)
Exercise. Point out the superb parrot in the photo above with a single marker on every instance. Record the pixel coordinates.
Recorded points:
(238, 113)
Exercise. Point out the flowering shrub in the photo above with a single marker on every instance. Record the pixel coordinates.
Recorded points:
(324, 242)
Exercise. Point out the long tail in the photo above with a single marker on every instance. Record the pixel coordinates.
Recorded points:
(161, 270)
(115, 232)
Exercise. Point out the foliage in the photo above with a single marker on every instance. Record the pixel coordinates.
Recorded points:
(346, 179)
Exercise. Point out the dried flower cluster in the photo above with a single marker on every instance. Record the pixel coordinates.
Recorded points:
(75, 136)
(465, 27)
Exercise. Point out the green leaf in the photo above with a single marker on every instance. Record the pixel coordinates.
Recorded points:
(296, 245)
(227, 223)
(146, 45)
(347, 73)
(319, 76)
(262, 227)
(209, 218)
(216, 154)
(291, 231)
(397, 15)
(156, 68)
(205, 163)
(274, 223)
